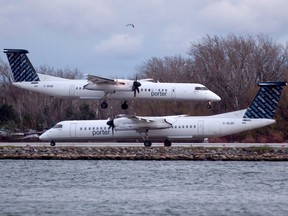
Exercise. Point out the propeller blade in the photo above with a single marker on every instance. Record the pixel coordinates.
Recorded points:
(110, 123)
(135, 87)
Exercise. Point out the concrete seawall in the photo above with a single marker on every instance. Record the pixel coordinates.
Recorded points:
(262, 153)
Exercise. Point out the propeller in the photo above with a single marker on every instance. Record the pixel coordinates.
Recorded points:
(136, 86)
(110, 123)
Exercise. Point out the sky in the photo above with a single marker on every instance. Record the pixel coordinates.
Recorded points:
(93, 36)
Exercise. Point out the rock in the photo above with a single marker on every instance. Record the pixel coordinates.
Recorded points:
(142, 153)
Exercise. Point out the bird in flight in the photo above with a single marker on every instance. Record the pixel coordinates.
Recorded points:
(130, 25)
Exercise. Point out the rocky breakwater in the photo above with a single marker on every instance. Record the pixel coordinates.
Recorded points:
(263, 153)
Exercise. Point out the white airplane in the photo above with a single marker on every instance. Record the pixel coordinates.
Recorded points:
(259, 114)
(95, 87)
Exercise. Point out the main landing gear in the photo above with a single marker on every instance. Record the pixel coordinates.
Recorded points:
(104, 105)
(144, 134)
(167, 143)
(148, 143)
(124, 105)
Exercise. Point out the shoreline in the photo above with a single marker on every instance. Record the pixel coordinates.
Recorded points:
(261, 153)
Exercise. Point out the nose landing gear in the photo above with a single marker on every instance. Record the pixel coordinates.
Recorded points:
(209, 105)
(52, 143)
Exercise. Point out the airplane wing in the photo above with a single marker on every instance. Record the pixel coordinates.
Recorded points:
(111, 85)
(146, 80)
(140, 120)
(135, 118)
(130, 122)
(102, 80)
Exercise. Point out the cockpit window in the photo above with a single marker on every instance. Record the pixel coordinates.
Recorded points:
(58, 126)
(201, 88)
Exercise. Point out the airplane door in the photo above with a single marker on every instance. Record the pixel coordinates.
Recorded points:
(72, 90)
(200, 127)
(173, 92)
(73, 129)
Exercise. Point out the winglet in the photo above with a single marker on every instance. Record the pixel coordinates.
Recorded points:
(21, 67)
(266, 100)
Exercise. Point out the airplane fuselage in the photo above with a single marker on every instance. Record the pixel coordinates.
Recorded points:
(182, 128)
(95, 87)
(148, 90)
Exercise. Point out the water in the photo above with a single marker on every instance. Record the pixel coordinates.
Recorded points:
(55, 187)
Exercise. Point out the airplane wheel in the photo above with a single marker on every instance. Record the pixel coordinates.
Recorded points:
(147, 143)
(124, 106)
(52, 143)
(104, 105)
(167, 143)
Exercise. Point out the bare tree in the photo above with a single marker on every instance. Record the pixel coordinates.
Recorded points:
(66, 73)
(167, 69)
(233, 65)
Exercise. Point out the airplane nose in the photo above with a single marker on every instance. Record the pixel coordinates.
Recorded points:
(217, 98)
(44, 136)
(214, 97)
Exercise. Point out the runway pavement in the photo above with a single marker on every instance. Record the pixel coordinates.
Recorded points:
(140, 144)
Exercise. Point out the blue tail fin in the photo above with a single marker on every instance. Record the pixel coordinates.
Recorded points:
(21, 67)
(266, 100)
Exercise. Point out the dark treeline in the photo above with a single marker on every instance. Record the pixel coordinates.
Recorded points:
(230, 66)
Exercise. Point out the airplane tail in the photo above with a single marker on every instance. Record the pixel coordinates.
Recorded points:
(21, 67)
(266, 100)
